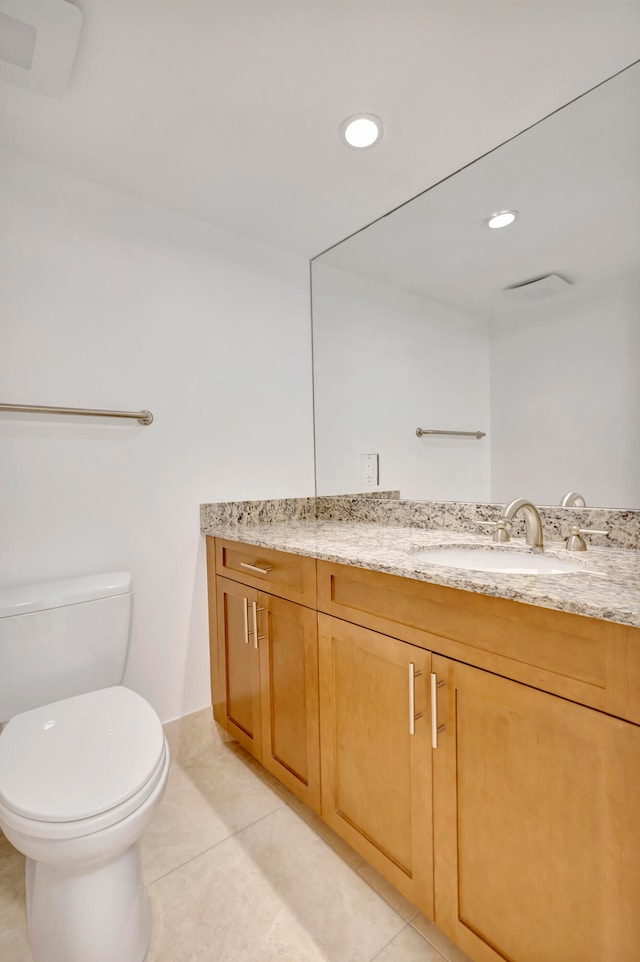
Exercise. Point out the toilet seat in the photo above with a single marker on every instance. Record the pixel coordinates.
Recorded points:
(92, 760)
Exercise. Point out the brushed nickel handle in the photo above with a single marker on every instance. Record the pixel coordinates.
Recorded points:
(436, 729)
(413, 718)
(412, 706)
(254, 605)
(576, 542)
(261, 637)
(245, 611)
(500, 529)
(256, 568)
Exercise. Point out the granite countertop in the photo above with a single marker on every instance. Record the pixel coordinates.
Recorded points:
(606, 585)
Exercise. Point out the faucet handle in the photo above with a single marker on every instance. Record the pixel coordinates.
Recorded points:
(576, 542)
(501, 529)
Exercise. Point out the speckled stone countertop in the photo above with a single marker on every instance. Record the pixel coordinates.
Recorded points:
(606, 584)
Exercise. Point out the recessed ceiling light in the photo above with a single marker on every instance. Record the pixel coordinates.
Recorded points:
(501, 218)
(361, 130)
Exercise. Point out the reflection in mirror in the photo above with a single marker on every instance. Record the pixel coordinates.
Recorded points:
(530, 333)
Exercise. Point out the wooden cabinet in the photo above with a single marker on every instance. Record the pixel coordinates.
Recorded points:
(483, 755)
(288, 645)
(279, 573)
(595, 663)
(376, 766)
(239, 695)
(536, 823)
(264, 658)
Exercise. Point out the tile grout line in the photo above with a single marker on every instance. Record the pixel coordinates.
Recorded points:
(444, 955)
(282, 793)
(387, 944)
(308, 816)
(210, 848)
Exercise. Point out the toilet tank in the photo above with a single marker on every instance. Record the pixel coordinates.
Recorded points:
(62, 638)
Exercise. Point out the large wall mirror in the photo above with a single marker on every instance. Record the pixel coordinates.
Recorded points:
(530, 334)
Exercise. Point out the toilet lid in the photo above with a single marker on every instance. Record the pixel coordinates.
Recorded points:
(79, 757)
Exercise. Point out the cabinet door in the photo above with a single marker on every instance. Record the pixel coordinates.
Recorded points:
(376, 752)
(288, 639)
(239, 664)
(536, 823)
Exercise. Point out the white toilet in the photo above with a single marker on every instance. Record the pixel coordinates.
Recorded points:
(83, 766)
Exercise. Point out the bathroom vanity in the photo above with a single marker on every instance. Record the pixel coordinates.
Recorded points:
(475, 736)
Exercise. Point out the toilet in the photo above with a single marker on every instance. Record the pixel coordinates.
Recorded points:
(83, 767)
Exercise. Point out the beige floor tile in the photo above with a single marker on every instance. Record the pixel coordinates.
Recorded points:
(208, 798)
(321, 828)
(195, 733)
(409, 946)
(13, 924)
(275, 891)
(427, 929)
(351, 857)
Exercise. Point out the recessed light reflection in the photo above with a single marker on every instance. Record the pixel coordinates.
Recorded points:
(502, 218)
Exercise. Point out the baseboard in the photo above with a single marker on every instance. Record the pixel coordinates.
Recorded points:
(194, 733)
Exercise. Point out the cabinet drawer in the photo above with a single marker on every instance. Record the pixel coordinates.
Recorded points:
(592, 662)
(285, 575)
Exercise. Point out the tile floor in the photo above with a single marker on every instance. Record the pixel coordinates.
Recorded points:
(239, 871)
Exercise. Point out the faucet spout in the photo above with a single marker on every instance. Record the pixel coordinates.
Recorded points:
(533, 524)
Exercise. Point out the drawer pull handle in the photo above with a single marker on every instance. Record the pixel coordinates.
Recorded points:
(256, 568)
(245, 611)
(413, 718)
(436, 729)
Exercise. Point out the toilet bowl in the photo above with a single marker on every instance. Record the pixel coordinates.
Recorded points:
(93, 770)
(80, 778)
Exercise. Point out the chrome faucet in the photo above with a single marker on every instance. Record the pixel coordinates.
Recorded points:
(533, 524)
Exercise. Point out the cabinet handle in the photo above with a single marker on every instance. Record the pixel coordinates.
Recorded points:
(260, 637)
(245, 611)
(254, 605)
(436, 729)
(413, 718)
(256, 568)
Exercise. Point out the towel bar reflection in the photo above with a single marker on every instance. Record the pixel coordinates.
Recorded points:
(459, 434)
(144, 417)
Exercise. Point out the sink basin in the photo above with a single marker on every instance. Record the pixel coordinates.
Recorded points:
(501, 560)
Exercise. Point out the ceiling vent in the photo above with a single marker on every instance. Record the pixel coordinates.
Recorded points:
(539, 287)
(38, 43)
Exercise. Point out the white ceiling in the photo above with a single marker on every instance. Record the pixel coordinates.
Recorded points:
(229, 110)
(575, 180)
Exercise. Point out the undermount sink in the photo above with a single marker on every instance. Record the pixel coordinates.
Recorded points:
(501, 560)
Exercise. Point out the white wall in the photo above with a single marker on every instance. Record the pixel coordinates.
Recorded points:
(110, 302)
(387, 362)
(565, 392)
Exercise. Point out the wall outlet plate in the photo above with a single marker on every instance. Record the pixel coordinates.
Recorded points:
(370, 464)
